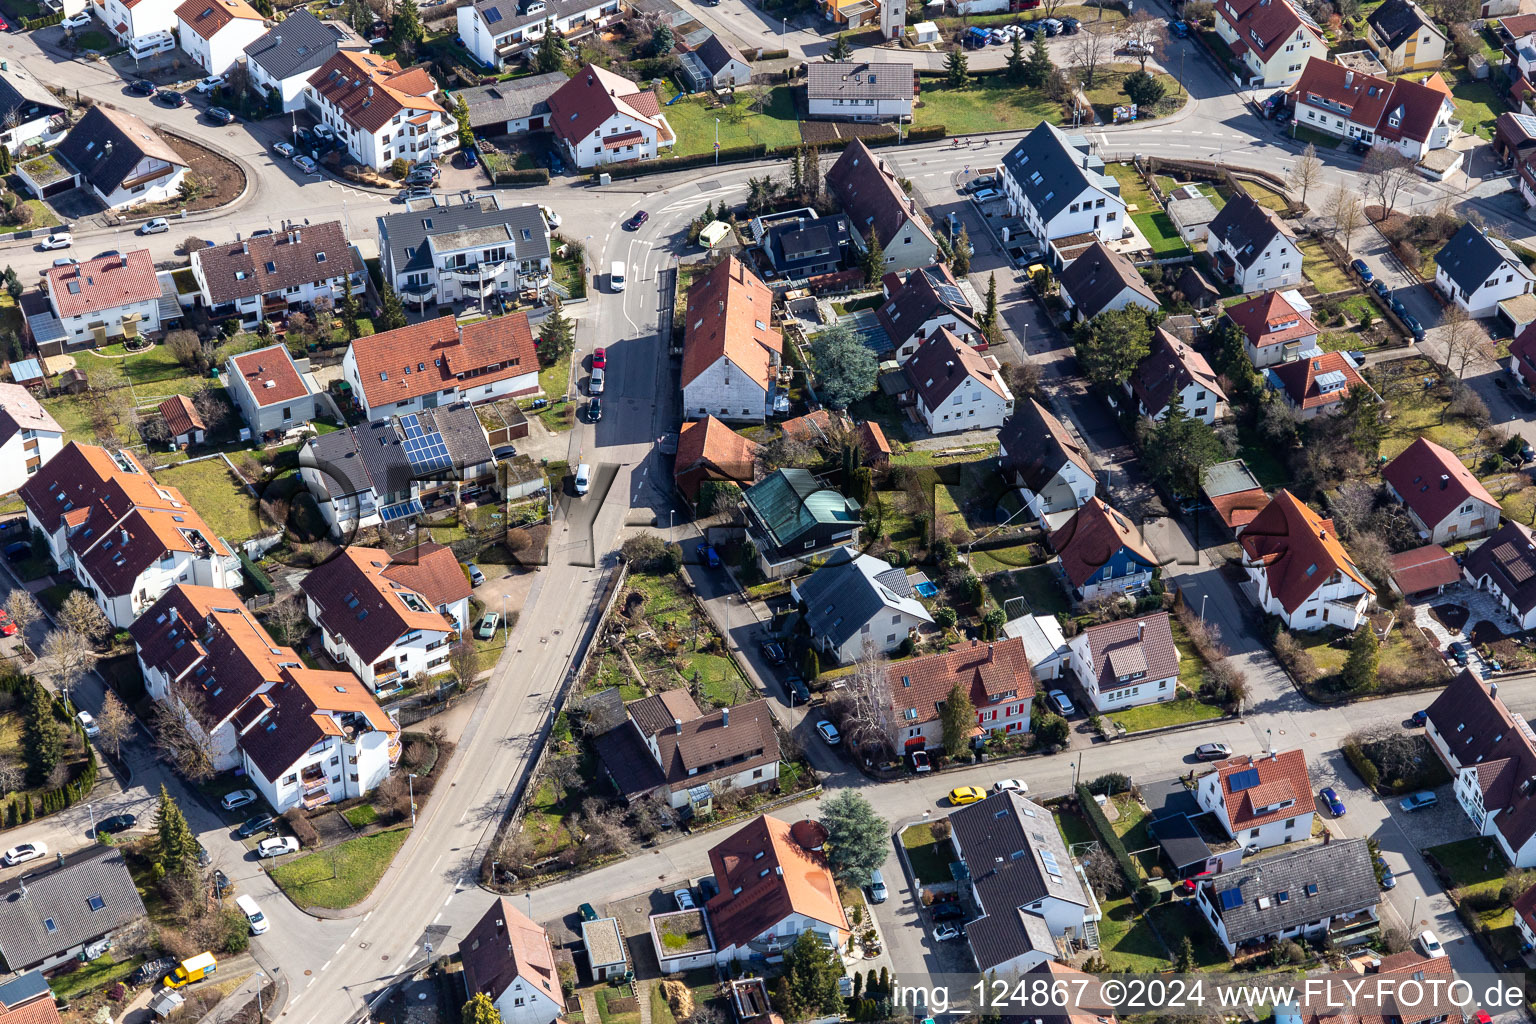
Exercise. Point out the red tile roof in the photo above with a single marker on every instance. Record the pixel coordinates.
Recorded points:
(1433, 482)
(270, 375)
(364, 607)
(593, 95)
(1298, 379)
(986, 672)
(106, 282)
(1087, 541)
(1275, 22)
(1518, 25)
(812, 428)
(1143, 644)
(206, 17)
(1416, 107)
(181, 416)
(504, 946)
(1238, 508)
(707, 449)
(1298, 549)
(1424, 568)
(369, 90)
(432, 571)
(764, 877)
(1270, 320)
(1362, 97)
(34, 1011)
(877, 450)
(1282, 777)
(730, 315)
(416, 360)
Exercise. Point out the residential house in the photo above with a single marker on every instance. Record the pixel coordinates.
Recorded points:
(1445, 500)
(1100, 280)
(1522, 358)
(1514, 137)
(442, 253)
(433, 572)
(121, 159)
(1260, 801)
(146, 27)
(1298, 570)
(512, 107)
(881, 210)
(1045, 648)
(1234, 494)
(668, 748)
(732, 352)
(1127, 662)
(1174, 371)
(384, 631)
(808, 246)
(1404, 37)
(183, 421)
(1315, 892)
(1032, 899)
(509, 959)
(792, 520)
(1377, 981)
(215, 33)
(89, 303)
(1058, 187)
(923, 302)
(29, 436)
(876, 449)
(315, 738)
(996, 677)
(1251, 248)
(1317, 383)
(440, 362)
(27, 109)
(126, 538)
(1478, 272)
(1099, 551)
(272, 393)
(1424, 571)
(1276, 326)
(1272, 39)
(1505, 566)
(65, 908)
(268, 276)
(496, 30)
(707, 449)
(774, 887)
(715, 64)
(855, 601)
(1049, 468)
(1411, 117)
(600, 118)
(957, 388)
(852, 90)
(380, 111)
(282, 60)
(27, 999)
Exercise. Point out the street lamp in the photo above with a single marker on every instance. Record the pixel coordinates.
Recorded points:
(92, 808)
(260, 1012)
(717, 142)
(1203, 598)
(783, 22)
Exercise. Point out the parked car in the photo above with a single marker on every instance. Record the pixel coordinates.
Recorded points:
(1360, 146)
(986, 195)
(1397, 307)
(1382, 290)
(950, 911)
(1418, 801)
(945, 932)
(88, 724)
(504, 452)
(1005, 785)
(487, 627)
(57, 240)
(633, 224)
(414, 192)
(1430, 943)
(1283, 115)
(978, 183)
(1062, 702)
(220, 115)
(801, 692)
(1420, 717)
(23, 852)
(1331, 798)
(277, 846)
(878, 893)
(1031, 30)
(684, 899)
(1052, 27)
(600, 358)
(1212, 752)
(1069, 26)
(550, 216)
(285, 150)
(828, 732)
(1357, 357)
(1460, 652)
(141, 87)
(962, 795)
(1414, 327)
(172, 98)
(77, 21)
(239, 798)
(155, 226)
(7, 626)
(1365, 272)
(773, 653)
(115, 824)
(707, 555)
(255, 824)
(20, 550)
(1384, 874)
(210, 83)
(1180, 29)
(556, 165)
(305, 164)
(594, 409)
(1527, 453)
(920, 761)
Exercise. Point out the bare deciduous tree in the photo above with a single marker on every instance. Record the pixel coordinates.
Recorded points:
(12, 775)
(1147, 35)
(115, 723)
(82, 616)
(463, 662)
(871, 719)
(1387, 172)
(23, 610)
(68, 656)
(1347, 213)
(1462, 338)
(288, 615)
(1092, 45)
(1306, 172)
(180, 726)
(186, 346)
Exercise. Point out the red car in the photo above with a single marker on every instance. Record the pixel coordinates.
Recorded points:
(4, 25)
(7, 627)
(599, 359)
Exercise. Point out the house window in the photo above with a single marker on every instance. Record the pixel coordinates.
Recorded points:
(1254, 834)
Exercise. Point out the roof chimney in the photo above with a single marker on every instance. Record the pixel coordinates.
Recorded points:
(725, 718)
(1445, 481)
(1493, 691)
(278, 40)
(989, 653)
(245, 247)
(677, 726)
(1349, 79)
(123, 260)
(1141, 630)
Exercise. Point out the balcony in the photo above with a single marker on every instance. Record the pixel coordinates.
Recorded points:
(485, 273)
(320, 799)
(396, 748)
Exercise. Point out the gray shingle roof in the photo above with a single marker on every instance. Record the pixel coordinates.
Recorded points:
(1098, 275)
(405, 235)
(58, 909)
(510, 101)
(462, 433)
(298, 44)
(858, 80)
(845, 594)
(1340, 872)
(1396, 20)
(716, 53)
(1246, 227)
(1471, 258)
(339, 462)
(502, 16)
(1052, 169)
(106, 145)
(22, 97)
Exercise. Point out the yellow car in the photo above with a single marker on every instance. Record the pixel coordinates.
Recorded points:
(966, 795)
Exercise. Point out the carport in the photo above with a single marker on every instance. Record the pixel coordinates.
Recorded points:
(1181, 845)
(868, 329)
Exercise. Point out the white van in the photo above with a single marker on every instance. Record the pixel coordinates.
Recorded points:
(583, 478)
(253, 914)
(616, 276)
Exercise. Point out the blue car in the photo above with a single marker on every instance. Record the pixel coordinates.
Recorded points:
(1420, 717)
(1364, 271)
(708, 555)
(1418, 801)
(1414, 327)
(1335, 805)
(1381, 290)
(1388, 879)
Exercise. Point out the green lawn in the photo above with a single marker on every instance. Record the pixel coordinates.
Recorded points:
(357, 865)
(1175, 920)
(694, 122)
(998, 559)
(1036, 584)
(362, 815)
(603, 994)
(1132, 189)
(1416, 413)
(1172, 712)
(94, 39)
(1478, 106)
(1266, 465)
(1127, 942)
(1477, 869)
(224, 504)
(666, 603)
(1160, 231)
(99, 973)
(720, 681)
(1326, 275)
(42, 217)
(1108, 93)
(1265, 196)
(929, 858)
(987, 105)
(1322, 140)
(153, 365)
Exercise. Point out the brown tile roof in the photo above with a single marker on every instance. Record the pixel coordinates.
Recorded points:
(1147, 642)
(274, 364)
(1518, 25)
(757, 892)
(1508, 559)
(359, 604)
(943, 363)
(1169, 368)
(84, 478)
(1238, 508)
(307, 254)
(1274, 21)
(416, 360)
(877, 450)
(206, 17)
(922, 295)
(504, 946)
(1037, 445)
(106, 282)
(1525, 903)
(20, 411)
(812, 428)
(369, 89)
(730, 314)
(107, 146)
(1270, 320)
(662, 711)
(719, 744)
(1098, 275)
(579, 107)
(1433, 482)
(1424, 568)
(432, 571)
(707, 449)
(987, 672)
(304, 708)
(1281, 777)
(1092, 536)
(1362, 97)
(1481, 731)
(1416, 106)
(118, 554)
(871, 195)
(1298, 549)
(1298, 379)
(181, 416)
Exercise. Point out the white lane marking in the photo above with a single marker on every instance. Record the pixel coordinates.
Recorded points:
(324, 966)
(412, 954)
(355, 931)
(438, 918)
(434, 863)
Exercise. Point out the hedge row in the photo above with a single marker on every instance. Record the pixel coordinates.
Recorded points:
(758, 151)
(1107, 834)
(527, 176)
(772, 55)
(47, 21)
(259, 578)
(1362, 765)
(19, 809)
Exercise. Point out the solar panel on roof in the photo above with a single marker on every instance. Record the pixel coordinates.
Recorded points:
(492, 15)
(411, 425)
(1231, 898)
(398, 511)
(1245, 779)
(950, 294)
(426, 451)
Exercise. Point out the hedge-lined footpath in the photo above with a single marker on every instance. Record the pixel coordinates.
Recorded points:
(737, 154)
